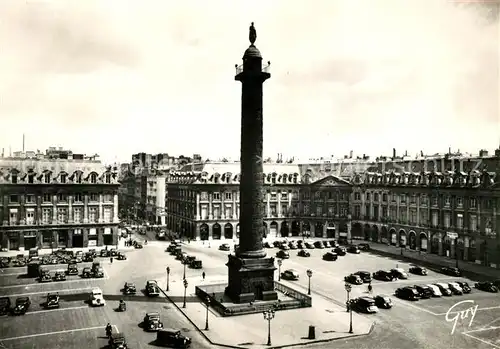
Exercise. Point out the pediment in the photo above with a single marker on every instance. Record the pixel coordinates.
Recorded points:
(331, 181)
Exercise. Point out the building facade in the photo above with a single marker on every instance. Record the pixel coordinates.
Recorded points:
(51, 202)
(202, 202)
(454, 214)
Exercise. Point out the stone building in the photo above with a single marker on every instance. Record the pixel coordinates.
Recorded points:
(203, 201)
(432, 212)
(53, 201)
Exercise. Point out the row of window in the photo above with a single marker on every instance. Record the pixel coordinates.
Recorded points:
(424, 199)
(62, 215)
(48, 198)
(325, 195)
(63, 178)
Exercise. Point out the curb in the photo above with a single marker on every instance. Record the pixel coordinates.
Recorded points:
(270, 347)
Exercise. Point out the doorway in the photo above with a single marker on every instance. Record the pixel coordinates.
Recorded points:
(78, 239)
(29, 242)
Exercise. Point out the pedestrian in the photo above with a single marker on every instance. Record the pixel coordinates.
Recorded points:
(203, 275)
(370, 288)
(111, 260)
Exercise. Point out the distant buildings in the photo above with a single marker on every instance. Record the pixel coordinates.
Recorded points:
(57, 199)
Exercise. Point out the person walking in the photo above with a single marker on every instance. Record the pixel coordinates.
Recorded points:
(203, 275)
(111, 260)
(370, 288)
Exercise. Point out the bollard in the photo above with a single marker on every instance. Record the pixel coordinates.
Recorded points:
(312, 332)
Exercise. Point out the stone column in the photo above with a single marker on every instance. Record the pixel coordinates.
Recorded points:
(279, 204)
(289, 202)
(222, 207)
(453, 248)
(466, 248)
(349, 232)
(268, 205)
(70, 211)
(70, 237)
(55, 238)
(235, 206)
(325, 225)
(100, 210)
(198, 210)
(54, 209)
(440, 250)
(115, 209)
(22, 210)
(197, 232)
(86, 211)
(210, 214)
(337, 231)
(5, 210)
(38, 211)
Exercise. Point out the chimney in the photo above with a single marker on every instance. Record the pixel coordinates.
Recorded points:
(393, 153)
(449, 150)
(350, 154)
(406, 152)
(422, 153)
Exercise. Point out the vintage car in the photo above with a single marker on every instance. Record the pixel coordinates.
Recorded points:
(267, 245)
(45, 275)
(21, 306)
(415, 269)
(290, 274)
(87, 273)
(59, 275)
(117, 341)
(284, 246)
(172, 338)
(121, 256)
(455, 288)
(96, 297)
(4, 262)
(98, 272)
(172, 247)
(486, 286)
(364, 275)
(52, 301)
(304, 253)
(364, 305)
(340, 250)
(138, 245)
(92, 252)
(113, 252)
(188, 259)
(330, 256)
(399, 273)
(104, 253)
(353, 249)
(465, 286)
(88, 257)
(152, 289)
(129, 288)
(364, 247)
(293, 245)
(309, 245)
(424, 291)
(4, 305)
(436, 292)
(282, 254)
(319, 244)
(451, 271)
(79, 256)
(152, 322)
(277, 243)
(382, 301)
(196, 264)
(353, 279)
(72, 269)
(333, 243)
(383, 275)
(408, 293)
(444, 289)
(225, 247)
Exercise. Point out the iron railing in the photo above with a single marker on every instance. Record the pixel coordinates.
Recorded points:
(265, 69)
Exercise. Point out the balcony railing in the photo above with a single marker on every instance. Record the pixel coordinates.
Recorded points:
(265, 69)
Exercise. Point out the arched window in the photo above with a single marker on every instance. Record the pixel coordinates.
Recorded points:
(46, 178)
(62, 178)
(14, 178)
(78, 178)
(93, 178)
(107, 178)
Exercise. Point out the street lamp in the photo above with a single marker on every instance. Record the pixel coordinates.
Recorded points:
(184, 276)
(185, 289)
(348, 288)
(269, 315)
(207, 301)
(456, 252)
(280, 262)
(309, 275)
(168, 278)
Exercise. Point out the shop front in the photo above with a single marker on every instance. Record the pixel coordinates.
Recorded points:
(47, 238)
(29, 239)
(62, 238)
(14, 240)
(108, 236)
(92, 237)
(78, 238)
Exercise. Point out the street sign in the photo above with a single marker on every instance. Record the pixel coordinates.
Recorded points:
(452, 235)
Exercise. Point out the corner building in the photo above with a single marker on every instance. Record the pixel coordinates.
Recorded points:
(203, 202)
(54, 202)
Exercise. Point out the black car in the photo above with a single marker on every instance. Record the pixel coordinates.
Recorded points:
(415, 269)
(399, 273)
(303, 253)
(292, 245)
(497, 283)
(409, 293)
(22, 305)
(319, 244)
(129, 288)
(284, 247)
(168, 337)
(267, 245)
(353, 279)
(121, 256)
(383, 275)
(364, 275)
(52, 301)
(451, 271)
(455, 288)
(72, 269)
(424, 291)
(486, 286)
(445, 291)
(225, 247)
(383, 302)
(333, 243)
(152, 322)
(364, 305)
(330, 256)
(137, 245)
(152, 289)
(325, 243)
(340, 250)
(353, 249)
(465, 286)
(87, 273)
(117, 341)
(4, 305)
(282, 254)
(364, 247)
(309, 245)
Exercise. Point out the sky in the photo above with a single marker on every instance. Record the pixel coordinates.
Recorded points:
(121, 77)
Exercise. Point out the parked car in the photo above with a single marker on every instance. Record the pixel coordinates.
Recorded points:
(96, 298)
(98, 272)
(129, 288)
(72, 269)
(497, 283)
(277, 243)
(353, 279)
(86, 273)
(364, 275)
(284, 247)
(104, 253)
(138, 245)
(415, 269)
(443, 288)
(353, 249)
(309, 245)
(424, 291)
(290, 274)
(267, 245)
(52, 301)
(282, 254)
(333, 243)
(303, 253)
(486, 286)
(196, 264)
(60, 275)
(325, 243)
(4, 305)
(21, 306)
(465, 286)
(319, 244)
(225, 247)
(113, 252)
(121, 256)
(451, 271)
(408, 293)
(436, 292)
(455, 288)
(364, 247)
(45, 275)
(340, 250)
(292, 245)
(383, 302)
(383, 275)
(169, 337)
(330, 256)
(117, 341)
(152, 322)
(364, 305)
(399, 273)
(152, 289)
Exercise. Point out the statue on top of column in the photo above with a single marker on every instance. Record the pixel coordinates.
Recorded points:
(253, 34)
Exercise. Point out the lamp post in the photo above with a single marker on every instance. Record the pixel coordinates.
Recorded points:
(184, 276)
(207, 301)
(168, 278)
(456, 252)
(309, 275)
(185, 289)
(280, 262)
(349, 308)
(269, 315)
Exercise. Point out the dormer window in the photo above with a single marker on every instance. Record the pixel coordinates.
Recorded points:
(31, 178)
(63, 178)
(46, 178)
(14, 178)
(78, 178)
(107, 178)
(93, 178)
